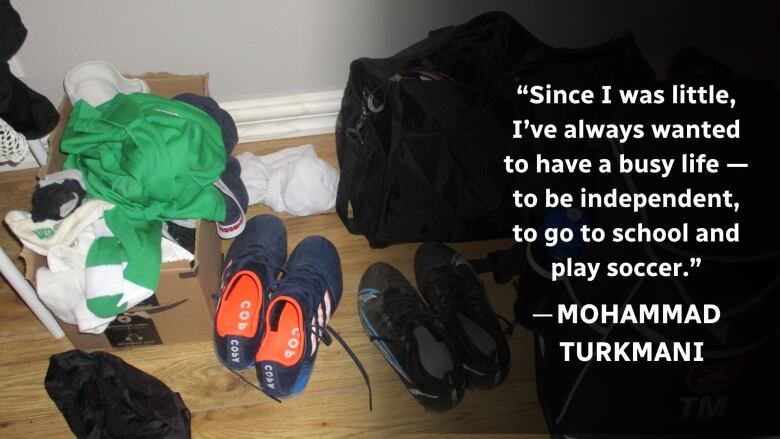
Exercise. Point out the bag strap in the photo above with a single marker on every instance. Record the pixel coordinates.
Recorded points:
(343, 194)
(354, 168)
(503, 264)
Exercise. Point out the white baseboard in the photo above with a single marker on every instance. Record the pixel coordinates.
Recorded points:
(285, 116)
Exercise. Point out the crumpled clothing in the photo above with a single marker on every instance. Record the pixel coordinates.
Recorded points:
(41, 236)
(101, 396)
(57, 195)
(292, 180)
(62, 285)
(62, 257)
(63, 294)
(155, 159)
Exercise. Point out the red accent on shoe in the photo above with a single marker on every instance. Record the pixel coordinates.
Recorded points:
(239, 308)
(286, 344)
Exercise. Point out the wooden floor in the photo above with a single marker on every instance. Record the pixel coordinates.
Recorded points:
(335, 403)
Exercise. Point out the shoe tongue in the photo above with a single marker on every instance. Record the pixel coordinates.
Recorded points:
(404, 305)
(260, 268)
(395, 296)
(456, 284)
(446, 277)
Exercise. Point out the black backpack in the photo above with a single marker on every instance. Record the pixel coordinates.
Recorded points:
(422, 135)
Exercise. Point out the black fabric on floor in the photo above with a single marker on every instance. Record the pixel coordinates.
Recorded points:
(101, 396)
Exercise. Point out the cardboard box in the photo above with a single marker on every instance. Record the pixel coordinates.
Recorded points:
(182, 307)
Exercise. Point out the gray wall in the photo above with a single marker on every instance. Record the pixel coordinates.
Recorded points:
(261, 48)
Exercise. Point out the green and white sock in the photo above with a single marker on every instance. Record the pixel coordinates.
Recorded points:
(114, 281)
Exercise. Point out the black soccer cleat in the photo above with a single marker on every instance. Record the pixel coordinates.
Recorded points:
(411, 338)
(455, 292)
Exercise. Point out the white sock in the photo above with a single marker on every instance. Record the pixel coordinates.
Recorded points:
(292, 180)
(40, 237)
(63, 294)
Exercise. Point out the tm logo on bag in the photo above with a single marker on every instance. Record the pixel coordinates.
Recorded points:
(709, 381)
(704, 407)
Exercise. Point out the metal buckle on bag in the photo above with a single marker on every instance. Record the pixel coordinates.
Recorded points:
(368, 106)
(368, 99)
(372, 106)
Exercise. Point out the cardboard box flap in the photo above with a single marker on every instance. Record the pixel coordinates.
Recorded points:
(168, 85)
(208, 262)
(32, 261)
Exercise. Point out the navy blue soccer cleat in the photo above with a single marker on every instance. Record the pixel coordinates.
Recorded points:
(251, 265)
(297, 316)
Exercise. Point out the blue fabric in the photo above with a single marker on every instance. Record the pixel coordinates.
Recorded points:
(232, 174)
(220, 116)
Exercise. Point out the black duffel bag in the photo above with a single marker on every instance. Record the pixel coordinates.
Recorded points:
(422, 135)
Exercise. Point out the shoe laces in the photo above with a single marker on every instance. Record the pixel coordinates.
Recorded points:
(251, 384)
(451, 291)
(325, 338)
(258, 257)
(314, 280)
(454, 292)
(403, 307)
